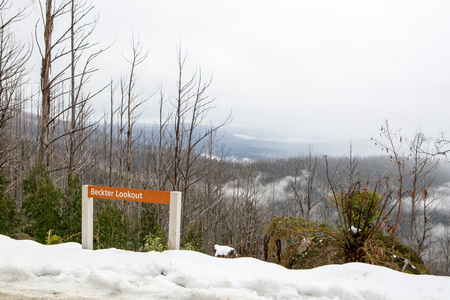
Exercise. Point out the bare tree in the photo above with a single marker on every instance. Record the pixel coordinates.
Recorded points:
(306, 189)
(13, 57)
(352, 166)
(67, 46)
(158, 161)
(415, 174)
(441, 145)
(421, 176)
(295, 188)
(81, 29)
(189, 135)
(49, 14)
(444, 249)
(211, 208)
(111, 132)
(128, 114)
(133, 99)
(393, 145)
(247, 213)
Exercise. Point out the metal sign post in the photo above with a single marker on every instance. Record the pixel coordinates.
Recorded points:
(89, 192)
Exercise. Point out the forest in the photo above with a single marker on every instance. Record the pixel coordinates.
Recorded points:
(300, 212)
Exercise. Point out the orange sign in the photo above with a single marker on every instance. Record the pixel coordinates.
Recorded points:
(103, 192)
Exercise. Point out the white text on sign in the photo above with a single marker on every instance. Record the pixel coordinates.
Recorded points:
(106, 193)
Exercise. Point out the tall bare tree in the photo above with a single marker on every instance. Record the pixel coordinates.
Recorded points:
(83, 23)
(13, 57)
(134, 99)
(190, 135)
(49, 14)
(415, 174)
(393, 145)
(444, 249)
(128, 112)
(69, 46)
(421, 176)
(306, 189)
(248, 212)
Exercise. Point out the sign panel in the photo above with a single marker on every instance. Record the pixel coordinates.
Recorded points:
(113, 193)
(89, 192)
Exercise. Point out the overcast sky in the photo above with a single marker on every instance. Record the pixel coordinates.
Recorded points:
(303, 70)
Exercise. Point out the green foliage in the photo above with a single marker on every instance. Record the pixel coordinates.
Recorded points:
(154, 243)
(53, 239)
(361, 214)
(193, 239)
(71, 213)
(359, 208)
(379, 252)
(21, 236)
(108, 226)
(41, 204)
(9, 218)
(295, 242)
(190, 247)
(114, 229)
(149, 220)
(48, 209)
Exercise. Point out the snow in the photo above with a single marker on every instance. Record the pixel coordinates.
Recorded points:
(354, 230)
(223, 250)
(65, 271)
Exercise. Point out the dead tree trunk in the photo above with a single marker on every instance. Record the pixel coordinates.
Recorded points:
(46, 85)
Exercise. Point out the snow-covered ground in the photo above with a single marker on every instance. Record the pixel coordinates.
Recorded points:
(65, 271)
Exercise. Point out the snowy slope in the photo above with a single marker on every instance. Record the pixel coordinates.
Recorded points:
(65, 271)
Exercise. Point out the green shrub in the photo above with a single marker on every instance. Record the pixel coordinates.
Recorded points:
(379, 252)
(154, 243)
(113, 228)
(71, 213)
(359, 208)
(149, 222)
(53, 239)
(9, 218)
(193, 239)
(360, 215)
(41, 204)
(295, 243)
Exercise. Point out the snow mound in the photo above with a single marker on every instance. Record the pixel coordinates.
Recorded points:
(223, 251)
(65, 271)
